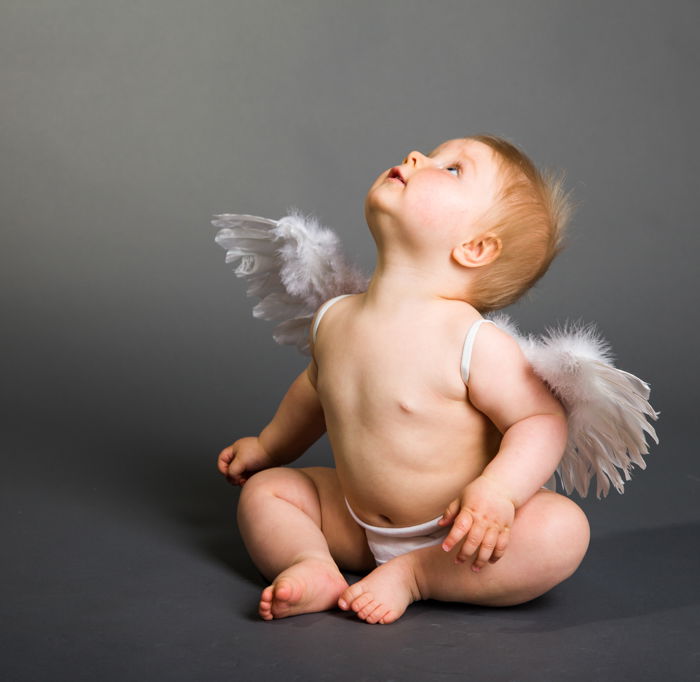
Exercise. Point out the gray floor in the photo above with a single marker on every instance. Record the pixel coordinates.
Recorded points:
(122, 562)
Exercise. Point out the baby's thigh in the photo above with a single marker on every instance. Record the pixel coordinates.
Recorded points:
(347, 542)
(554, 525)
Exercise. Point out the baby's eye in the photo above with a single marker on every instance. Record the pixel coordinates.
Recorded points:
(456, 169)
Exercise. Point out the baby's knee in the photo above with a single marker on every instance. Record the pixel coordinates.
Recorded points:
(569, 534)
(254, 491)
(263, 483)
(283, 483)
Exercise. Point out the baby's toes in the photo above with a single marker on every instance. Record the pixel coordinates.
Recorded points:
(349, 595)
(389, 617)
(378, 614)
(361, 602)
(265, 606)
(267, 594)
(368, 609)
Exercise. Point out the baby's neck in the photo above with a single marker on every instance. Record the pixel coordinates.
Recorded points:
(400, 285)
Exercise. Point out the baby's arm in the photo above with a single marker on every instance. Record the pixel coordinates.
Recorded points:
(298, 423)
(504, 387)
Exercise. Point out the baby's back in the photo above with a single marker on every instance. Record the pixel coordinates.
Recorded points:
(404, 435)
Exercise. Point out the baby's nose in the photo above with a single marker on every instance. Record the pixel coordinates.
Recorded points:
(414, 158)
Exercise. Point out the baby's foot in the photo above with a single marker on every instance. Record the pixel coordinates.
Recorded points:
(384, 594)
(308, 586)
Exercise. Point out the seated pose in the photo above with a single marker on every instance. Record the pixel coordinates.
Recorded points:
(443, 436)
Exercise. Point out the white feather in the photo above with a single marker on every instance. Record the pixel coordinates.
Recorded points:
(292, 265)
(607, 408)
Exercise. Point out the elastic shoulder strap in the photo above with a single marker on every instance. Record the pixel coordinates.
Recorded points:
(469, 346)
(323, 309)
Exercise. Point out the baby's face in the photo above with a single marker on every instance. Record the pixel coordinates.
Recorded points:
(439, 196)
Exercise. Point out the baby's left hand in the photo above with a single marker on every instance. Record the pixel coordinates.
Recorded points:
(483, 515)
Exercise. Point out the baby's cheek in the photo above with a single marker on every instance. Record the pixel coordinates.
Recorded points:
(440, 206)
(427, 209)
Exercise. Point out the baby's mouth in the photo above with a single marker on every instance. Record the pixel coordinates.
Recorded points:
(395, 174)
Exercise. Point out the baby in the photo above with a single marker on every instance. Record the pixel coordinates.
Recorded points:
(443, 437)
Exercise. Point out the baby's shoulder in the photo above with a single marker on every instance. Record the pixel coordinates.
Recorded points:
(467, 321)
(489, 349)
(321, 312)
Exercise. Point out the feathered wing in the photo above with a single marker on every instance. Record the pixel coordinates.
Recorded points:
(292, 265)
(608, 409)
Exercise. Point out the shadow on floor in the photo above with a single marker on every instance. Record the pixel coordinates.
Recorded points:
(624, 575)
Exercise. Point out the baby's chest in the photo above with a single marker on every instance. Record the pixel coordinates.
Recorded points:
(404, 406)
(410, 377)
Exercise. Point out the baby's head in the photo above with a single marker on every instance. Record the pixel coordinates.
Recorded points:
(528, 214)
(479, 201)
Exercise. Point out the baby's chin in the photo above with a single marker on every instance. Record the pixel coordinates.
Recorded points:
(376, 206)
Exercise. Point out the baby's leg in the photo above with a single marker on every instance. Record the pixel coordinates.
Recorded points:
(297, 530)
(548, 540)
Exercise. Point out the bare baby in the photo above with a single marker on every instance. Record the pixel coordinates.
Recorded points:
(442, 435)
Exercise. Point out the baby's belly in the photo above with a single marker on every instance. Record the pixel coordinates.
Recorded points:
(399, 475)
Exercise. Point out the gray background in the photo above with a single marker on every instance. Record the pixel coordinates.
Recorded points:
(130, 357)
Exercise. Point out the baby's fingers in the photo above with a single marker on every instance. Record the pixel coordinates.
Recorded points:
(472, 542)
(488, 546)
(463, 522)
(236, 472)
(225, 457)
(501, 545)
(450, 513)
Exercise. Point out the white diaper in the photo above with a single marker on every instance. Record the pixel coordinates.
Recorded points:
(387, 543)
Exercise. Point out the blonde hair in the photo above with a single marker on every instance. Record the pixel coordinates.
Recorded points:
(529, 215)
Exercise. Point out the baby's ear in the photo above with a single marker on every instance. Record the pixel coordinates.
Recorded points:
(478, 252)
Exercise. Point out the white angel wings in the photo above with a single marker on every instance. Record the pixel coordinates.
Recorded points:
(607, 408)
(293, 265)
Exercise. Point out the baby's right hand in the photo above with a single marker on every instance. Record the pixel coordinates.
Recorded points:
(239, 461)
